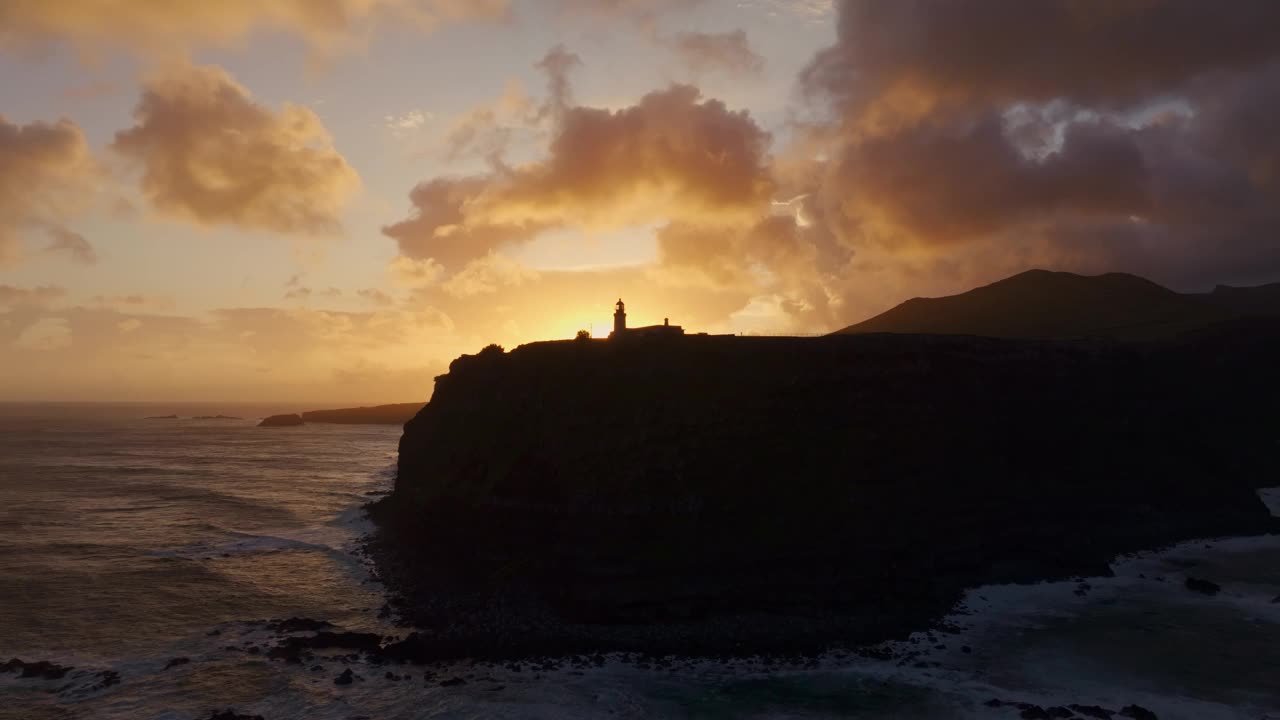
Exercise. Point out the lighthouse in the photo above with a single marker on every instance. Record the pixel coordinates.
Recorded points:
(621, 331)
(620, 319)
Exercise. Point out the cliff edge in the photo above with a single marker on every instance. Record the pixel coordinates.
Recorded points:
(711, 495)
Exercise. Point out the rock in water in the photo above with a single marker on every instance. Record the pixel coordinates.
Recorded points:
(42, 669)
(298, 624)
(1093, 711)
(1203, 586)
(1137, 712)
(345, 678)
(233, 715)
(290, 420)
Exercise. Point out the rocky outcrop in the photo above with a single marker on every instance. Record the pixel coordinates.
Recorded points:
(42, 669)
(289, 420)
(738, 495)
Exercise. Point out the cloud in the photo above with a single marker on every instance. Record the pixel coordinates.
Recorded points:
(728, 52)
(11, 296)
(45, 334)
(376, 297)
(698, 172)
(73, 245)
(486, 131)
(46, 174)
(672, 155)
(211, 155)
(408, 120)
(1005, 51)
(413, 272)
(177, 27)
(557, 64)
(644, 12)
(306, 293)
(488, 275)
(134, 302)
(952, 142)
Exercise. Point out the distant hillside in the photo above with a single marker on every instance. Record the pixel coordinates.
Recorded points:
(1260, 301)
(1057, 305)
(397, 414)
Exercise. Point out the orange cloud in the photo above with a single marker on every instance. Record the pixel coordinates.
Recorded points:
(413, 272)
(178, 25)
(211, 155)
(375, 296)
(11, 297)
(488, 275)
(135, 302)
(45, 175)
(672, 155)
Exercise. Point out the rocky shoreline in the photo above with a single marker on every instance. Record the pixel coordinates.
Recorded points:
(573, 499)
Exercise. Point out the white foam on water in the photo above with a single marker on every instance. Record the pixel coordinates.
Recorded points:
(1138, 637)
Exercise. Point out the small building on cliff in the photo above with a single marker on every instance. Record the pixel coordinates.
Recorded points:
(621, 331)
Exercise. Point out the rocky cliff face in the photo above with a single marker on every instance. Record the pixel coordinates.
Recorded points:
(708, 495)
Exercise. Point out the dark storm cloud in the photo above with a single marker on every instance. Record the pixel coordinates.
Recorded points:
(1103, 52)
(1132, 135)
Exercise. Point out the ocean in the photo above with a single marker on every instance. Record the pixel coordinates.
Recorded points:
(128, 543)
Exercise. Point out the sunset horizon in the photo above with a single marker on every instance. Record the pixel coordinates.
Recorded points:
(244, 203)
(646, 359)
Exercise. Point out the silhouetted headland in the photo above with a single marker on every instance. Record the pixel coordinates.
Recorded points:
(287, 420)
(397, 414)
(732, 495)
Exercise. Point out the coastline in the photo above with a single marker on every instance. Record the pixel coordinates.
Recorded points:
(556, 501)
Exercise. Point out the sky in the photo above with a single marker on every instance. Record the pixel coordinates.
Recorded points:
(326, 201)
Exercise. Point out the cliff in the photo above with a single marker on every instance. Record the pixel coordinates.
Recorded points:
(396, 414)
(710, 495)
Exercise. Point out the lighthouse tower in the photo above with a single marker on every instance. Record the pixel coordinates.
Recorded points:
(620, 319)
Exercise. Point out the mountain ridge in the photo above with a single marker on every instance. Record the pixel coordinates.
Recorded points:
(1055, 305)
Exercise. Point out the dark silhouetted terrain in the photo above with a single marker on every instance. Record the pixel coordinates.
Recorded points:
(734, 495)
(1060, 305)
(397, 414)
(287, 420)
